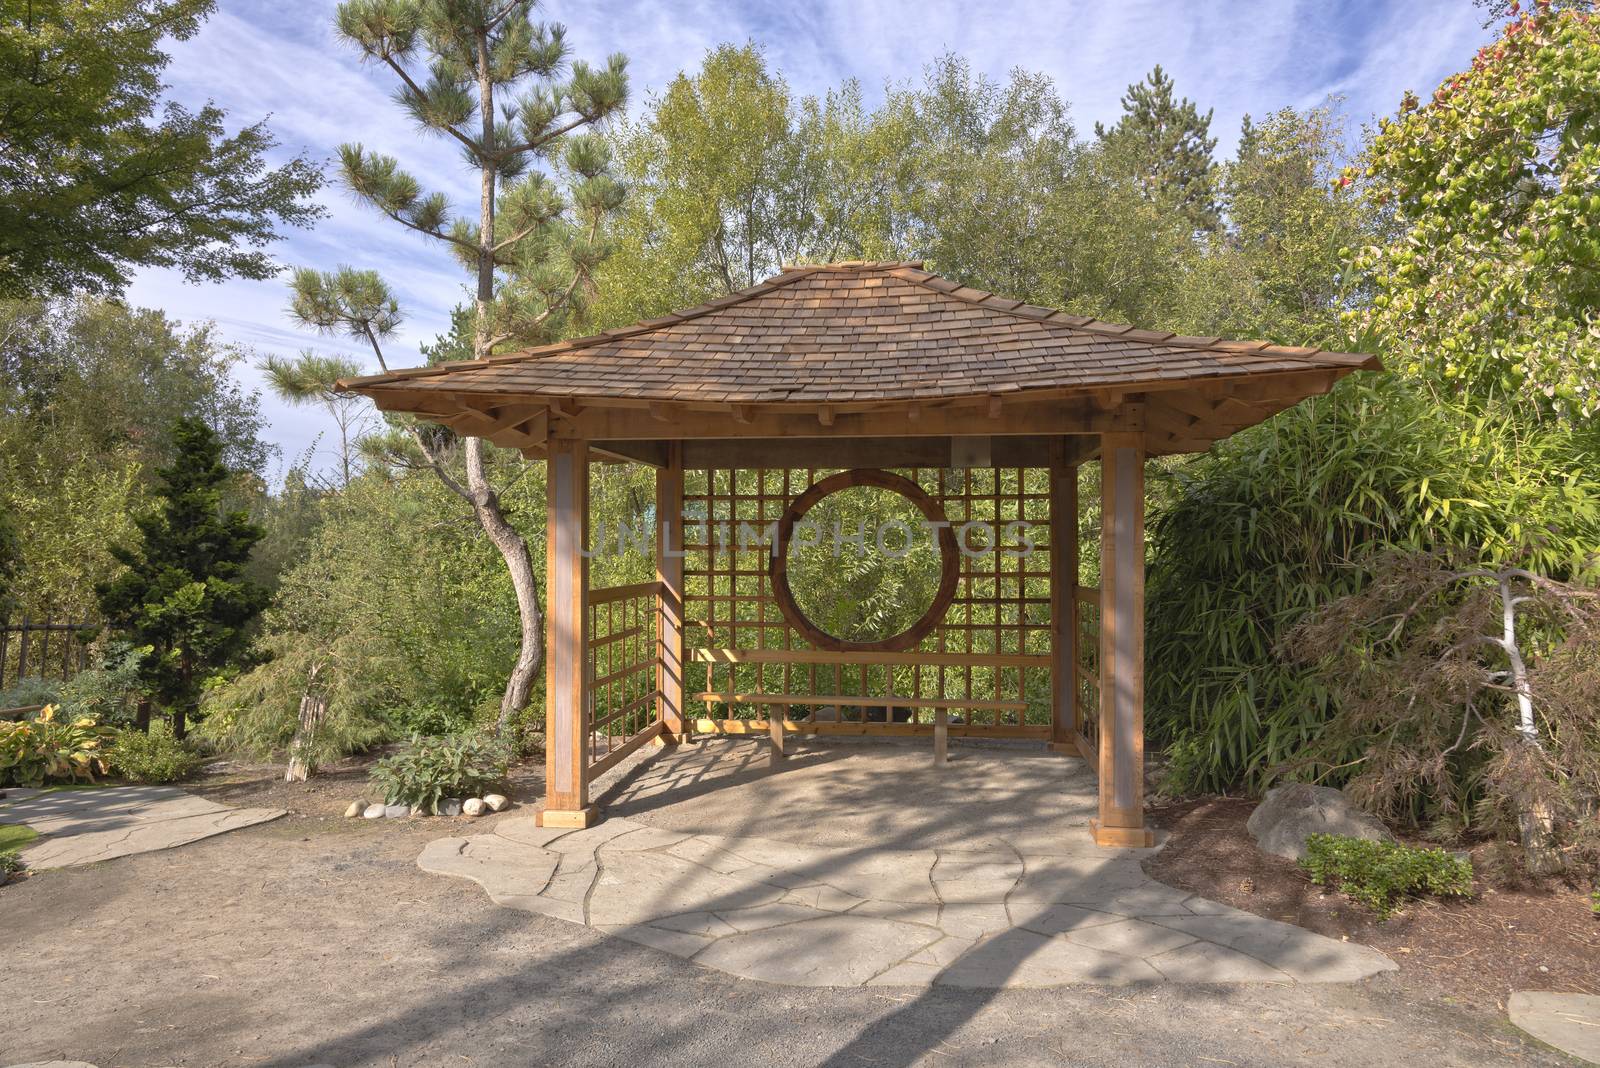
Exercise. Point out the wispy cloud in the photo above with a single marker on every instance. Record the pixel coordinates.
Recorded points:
(281, 58)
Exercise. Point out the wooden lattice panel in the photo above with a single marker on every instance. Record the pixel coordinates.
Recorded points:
(622, 672)
(985, 662)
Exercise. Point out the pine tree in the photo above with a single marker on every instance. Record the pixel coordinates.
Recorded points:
(184, 593)
(484, 75)
(1165, 144)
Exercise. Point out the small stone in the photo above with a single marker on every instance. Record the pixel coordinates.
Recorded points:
(496, 802)
(394, 812)
(473, 806)
(450, 806)
(374, 812)
(357, 807)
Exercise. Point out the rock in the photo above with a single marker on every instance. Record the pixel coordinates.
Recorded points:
(357, 807)
(450, 806)
(496, 802)
(419, 810)
(394, 812)
(373, 812)
(1289, 813)
(1569, 1022)
(473, 806)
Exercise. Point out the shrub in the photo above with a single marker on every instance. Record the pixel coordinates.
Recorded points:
(1378, 874)
(155, 757)
(36, 751)
(428, 770)
(109, 690)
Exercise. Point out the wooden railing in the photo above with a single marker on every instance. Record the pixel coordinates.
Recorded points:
(42, 648)
(622, 659)
(1087, 706)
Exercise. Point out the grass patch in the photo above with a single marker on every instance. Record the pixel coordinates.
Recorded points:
(13, 836)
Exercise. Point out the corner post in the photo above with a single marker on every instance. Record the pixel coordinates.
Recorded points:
(1064, 726)
(669, 573)
(567, 659)
(1121, 821)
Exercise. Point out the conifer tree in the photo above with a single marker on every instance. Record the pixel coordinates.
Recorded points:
(484, 76)
(184, 593)
(1166, 144)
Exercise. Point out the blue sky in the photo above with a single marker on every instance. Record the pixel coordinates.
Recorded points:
(279, 58)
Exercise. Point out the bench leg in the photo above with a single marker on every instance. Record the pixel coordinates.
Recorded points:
(941, 735)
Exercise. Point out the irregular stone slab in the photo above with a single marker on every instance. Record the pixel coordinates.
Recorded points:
(1132, 938)
(1302, 955)
(907, 973)
(822, 897)
(1056, 919)
(1569, 1022)
(921, 913)
(505, 869)
(109, 808)
(975, 877)
(708, 855)
(972, 920)
(1018, 958)
(642, 839)
(882, 877)
(699, 923)
(832, 950)
(944, 952)
(150, 831)
(1078, 880)
(526, 830)
(636, 888)
(1207, 962)
(678, 943)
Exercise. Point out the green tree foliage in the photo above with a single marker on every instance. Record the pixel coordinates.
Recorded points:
(183, 593)
(309, 379)
(1491, 284)
(10, 556)
(93, 182)
(1166, 144)
(89, 391)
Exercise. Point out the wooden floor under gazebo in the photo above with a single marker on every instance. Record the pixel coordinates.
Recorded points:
(977, 409)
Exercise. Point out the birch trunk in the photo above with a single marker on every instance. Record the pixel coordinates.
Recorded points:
(313, 713)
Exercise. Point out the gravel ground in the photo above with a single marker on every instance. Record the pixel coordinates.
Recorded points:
(317, 940)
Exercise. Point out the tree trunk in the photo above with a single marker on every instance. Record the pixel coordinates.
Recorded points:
(1538, 832)
(519, 562)
(313, 712)
(141, 716)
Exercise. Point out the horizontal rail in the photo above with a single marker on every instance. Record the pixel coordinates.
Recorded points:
(856, 700)
(1088, 594)
(826, 656)
(623, 593)
(622, 752)
(705, 725)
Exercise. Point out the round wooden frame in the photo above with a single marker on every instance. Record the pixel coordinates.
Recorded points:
(932, 510)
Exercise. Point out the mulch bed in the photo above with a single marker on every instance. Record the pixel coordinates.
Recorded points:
(1540, 936)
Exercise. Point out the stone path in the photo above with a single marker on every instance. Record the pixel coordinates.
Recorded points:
(991, 915)
(85, 826)
(1569, 1022)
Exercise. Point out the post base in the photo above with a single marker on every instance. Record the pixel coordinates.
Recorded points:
(574, 818)
(1122, 837)
(669, 738)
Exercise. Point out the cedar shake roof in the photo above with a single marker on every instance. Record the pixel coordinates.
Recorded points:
(844, 333)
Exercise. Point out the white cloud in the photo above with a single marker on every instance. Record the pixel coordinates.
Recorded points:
(281, 58)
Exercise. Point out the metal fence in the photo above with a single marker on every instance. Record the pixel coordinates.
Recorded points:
(43, 648)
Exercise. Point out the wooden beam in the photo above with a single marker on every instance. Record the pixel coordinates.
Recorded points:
(1064, 722)
(567, 656)
(825, 415)
(669, 601)
(653, 453)
(1004, 451)
(1121, 819)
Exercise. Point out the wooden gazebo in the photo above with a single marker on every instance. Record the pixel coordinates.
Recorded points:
(752, 407)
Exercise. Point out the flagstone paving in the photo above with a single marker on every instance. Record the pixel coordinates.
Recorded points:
(85, 826)
(1050, 914)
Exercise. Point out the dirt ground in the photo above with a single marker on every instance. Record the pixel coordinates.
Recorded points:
(317, 940)
(1541, 937)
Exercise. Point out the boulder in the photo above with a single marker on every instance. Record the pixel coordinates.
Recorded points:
(473, 806)
(374, 812)
(450, 806)
(356, 808)
(1290, 813)
(496, 802)
(394, 812)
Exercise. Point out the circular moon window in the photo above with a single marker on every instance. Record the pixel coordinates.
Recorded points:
(865, 561)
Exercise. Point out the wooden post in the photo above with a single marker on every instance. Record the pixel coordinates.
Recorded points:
(775, 714)
(566, 706)
(669, 572)
(1064, 726)
(941, 735)
(1121, 821)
